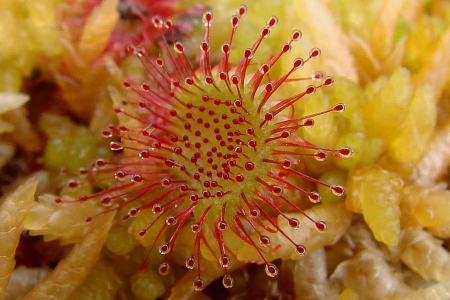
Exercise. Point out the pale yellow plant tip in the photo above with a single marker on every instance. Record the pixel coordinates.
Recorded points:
(385, 110)
(416, 133)
(381, 40)
(436, 72)
(375, 193)
(72, 270)
(326, 33)
(12, 214)
(97, 30)
(434, 262)
(10, 101)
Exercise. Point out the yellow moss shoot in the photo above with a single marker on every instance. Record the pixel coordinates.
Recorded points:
(375, 193)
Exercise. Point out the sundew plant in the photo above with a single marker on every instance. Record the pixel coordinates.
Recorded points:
(210, 148)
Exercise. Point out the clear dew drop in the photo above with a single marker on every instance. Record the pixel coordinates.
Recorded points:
(296, 35)
(309, 123)
(107, 134)
(204, 47)
(277, 190)
(144, 154)
(164, 249)
(228, 281)
(157, 22)
(340, 107)
(264, 240)
(248, 53)
(317, 75)
(264, 69)
(298, 63)
(320, 155)
(82, 173)
(242, 10)
(207, 18)
(199, 285)
(314, 197)
(224, 261)
(73, 185)
(191, 263)
(120, 175)
(222, 225)
(300, 250)
(83, 198)
(255, 212)
(106, 201)
(345, 152)
(225, 49)
(271, 270)
(133, 212)
(195, 228)
(157, 209)
(136, 178)
(314, 52)
(164, 269)
(294, 223)
(328, 81)
(272, 21)
(337, 190)
(178, 47)
(321, 226)
(100, 163)
(286, 164)
(115, 146)
(171, 220)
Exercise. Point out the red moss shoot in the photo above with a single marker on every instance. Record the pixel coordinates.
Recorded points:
(210, 148)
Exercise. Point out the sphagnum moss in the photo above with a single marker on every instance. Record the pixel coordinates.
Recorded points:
(211, 148)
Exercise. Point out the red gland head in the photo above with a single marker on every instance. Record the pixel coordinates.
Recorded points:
(207, 148)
